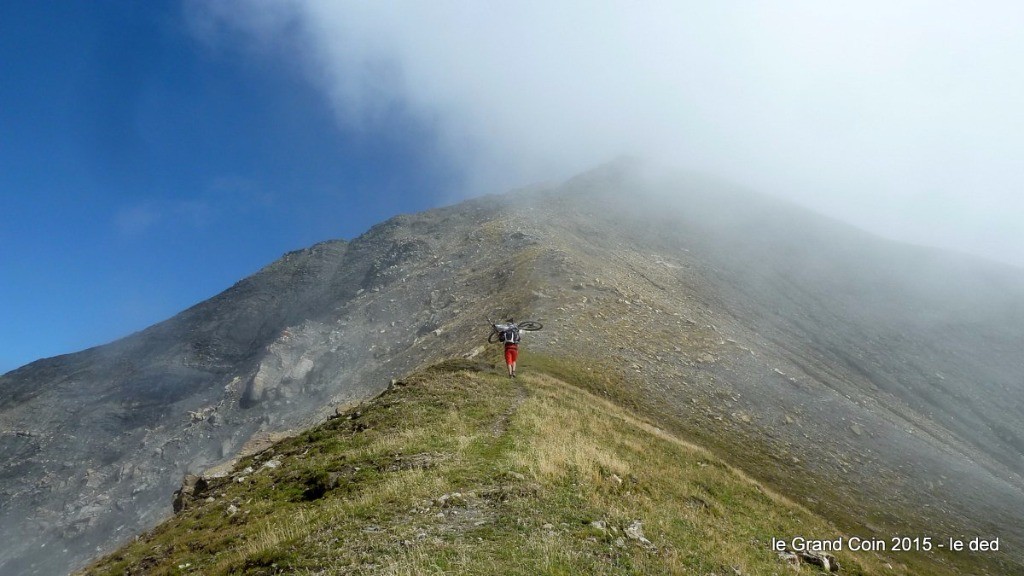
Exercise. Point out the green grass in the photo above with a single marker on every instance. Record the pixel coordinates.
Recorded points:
(462, 470)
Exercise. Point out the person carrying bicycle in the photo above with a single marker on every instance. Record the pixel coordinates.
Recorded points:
(509, 333)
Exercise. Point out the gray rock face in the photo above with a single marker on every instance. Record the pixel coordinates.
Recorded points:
(893, 372)
(93, 444)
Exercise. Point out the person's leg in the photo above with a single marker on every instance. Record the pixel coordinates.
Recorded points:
(509, 360)
(515, 357)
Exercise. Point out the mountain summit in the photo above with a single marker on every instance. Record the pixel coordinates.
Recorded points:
(877, 384)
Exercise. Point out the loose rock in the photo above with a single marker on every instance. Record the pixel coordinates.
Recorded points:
(635, 531)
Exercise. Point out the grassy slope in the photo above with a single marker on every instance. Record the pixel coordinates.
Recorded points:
(462, 470)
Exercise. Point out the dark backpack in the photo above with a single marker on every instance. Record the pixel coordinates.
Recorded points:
(509, 336)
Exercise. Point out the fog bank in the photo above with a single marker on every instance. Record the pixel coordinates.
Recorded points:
(902, 118)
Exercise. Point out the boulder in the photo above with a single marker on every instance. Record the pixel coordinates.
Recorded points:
(192, 487)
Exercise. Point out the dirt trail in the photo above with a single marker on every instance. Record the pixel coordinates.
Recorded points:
(501, 423)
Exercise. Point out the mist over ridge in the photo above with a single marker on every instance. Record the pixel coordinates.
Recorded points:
(894, 117)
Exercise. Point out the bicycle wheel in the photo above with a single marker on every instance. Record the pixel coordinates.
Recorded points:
(530, 325)
(493, 337)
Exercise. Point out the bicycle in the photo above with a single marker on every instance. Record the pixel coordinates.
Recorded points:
(525, 325)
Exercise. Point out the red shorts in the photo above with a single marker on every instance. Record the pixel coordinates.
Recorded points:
(511, 353)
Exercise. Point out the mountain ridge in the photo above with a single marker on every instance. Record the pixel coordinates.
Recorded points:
(814, 356)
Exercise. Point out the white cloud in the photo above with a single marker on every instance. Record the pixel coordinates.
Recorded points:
(161, 216)
(135, 220)
(902, 117)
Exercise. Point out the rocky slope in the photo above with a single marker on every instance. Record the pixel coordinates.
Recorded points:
(876, 383)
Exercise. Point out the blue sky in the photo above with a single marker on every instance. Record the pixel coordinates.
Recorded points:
(153, 153)
(143, 170)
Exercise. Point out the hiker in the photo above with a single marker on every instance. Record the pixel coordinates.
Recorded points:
(509, 333)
